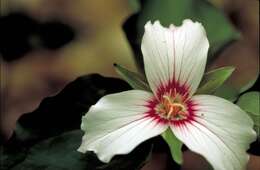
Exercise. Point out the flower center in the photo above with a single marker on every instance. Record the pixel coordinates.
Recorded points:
(171, 108)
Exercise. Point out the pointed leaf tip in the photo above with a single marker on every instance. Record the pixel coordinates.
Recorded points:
(212, 80)
(135, 80)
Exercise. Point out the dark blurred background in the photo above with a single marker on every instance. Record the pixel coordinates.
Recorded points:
(44, 44)
(47, 43)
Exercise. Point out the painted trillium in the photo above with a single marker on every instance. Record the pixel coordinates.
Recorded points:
(174, 60)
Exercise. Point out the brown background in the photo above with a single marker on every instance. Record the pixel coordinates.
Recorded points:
(100, 42)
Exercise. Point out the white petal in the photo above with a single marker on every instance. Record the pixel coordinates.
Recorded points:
(221, 132)
(117, 124)
(175, 53)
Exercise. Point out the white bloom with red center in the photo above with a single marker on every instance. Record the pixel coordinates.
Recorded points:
(174, 60)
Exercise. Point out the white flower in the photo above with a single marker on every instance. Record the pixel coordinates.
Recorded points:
(174, 60)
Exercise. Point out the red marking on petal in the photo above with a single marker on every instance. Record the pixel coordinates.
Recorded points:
(180, 94)
(152, 113)
(172, 86)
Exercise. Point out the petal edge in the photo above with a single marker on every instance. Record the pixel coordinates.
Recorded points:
(117, 124)
(221, 132)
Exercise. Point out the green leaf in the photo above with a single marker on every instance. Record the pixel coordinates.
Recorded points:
(219, 30)
(63, 112)
(135, 80)
(227, 92)
(250, 102)
(60, 153)
(174, 144)
(55, 153)
(41, 139)
(214, 79)
(11, 153)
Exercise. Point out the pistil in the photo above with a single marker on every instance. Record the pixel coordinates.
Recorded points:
(172, 108)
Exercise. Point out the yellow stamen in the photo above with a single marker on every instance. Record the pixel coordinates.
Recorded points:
(171, 108)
